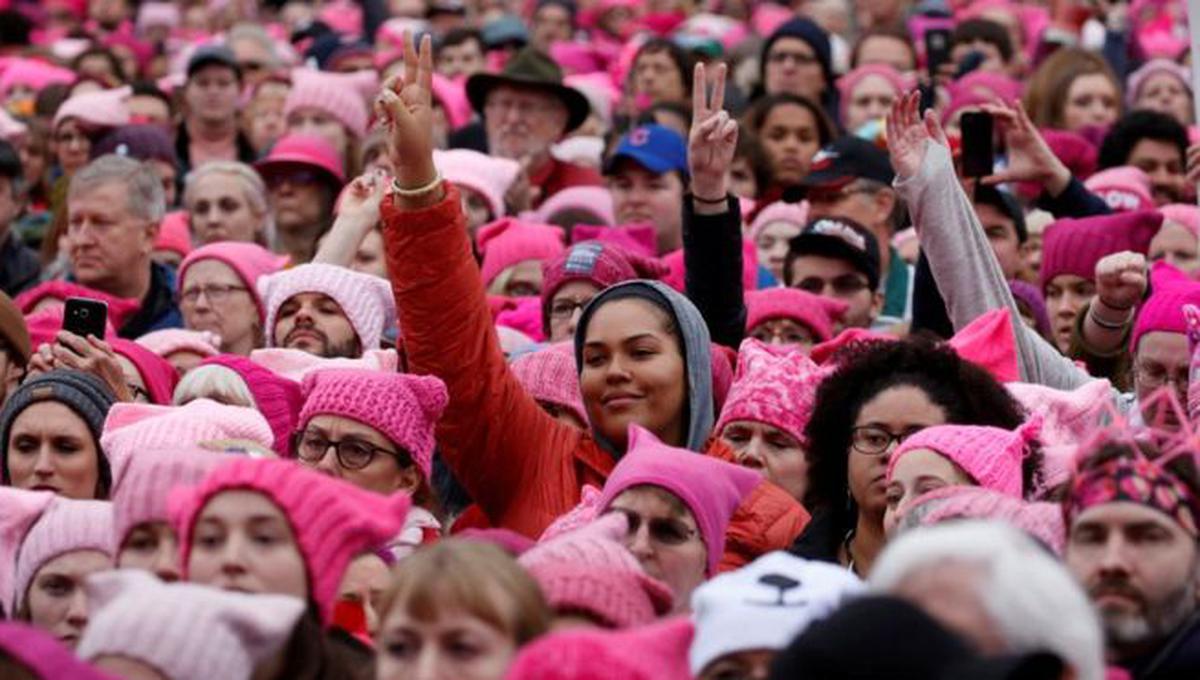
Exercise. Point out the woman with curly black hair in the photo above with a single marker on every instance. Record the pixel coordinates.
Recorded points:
(881, 393)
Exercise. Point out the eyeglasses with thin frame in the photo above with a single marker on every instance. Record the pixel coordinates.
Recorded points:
(214, 292)
(663, 530)
(875, 440)
(565, 308)
(1153, 375)
(352, 454)
(843, 286)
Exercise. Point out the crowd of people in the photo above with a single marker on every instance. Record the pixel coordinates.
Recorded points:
(598, 339)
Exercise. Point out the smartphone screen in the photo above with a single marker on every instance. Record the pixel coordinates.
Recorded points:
(937, 49)
(977, 144)
(84, 317)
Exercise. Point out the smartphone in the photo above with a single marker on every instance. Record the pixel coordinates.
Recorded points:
(84, 317)
(937, 49)
(978, 150)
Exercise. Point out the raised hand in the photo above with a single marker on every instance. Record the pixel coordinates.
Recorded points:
(90, 355)
(713, 138)
(909, 134)
(1029, 157)
(1121, 280)
(405, 105)
(359, 202)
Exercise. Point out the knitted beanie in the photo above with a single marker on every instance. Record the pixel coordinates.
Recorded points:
(1043, 521)
(294, 364)
(249, 261)
(488, 176)
(1032, 297)
(1074, 246)
(404, 408)
(143, 484)
(589, 571)
(817, 313)
(157, 373)
(655, 652)
(1138, 78)
(43, 654)
(34, 74)
(807, 30)
(143, 142)
(277, 398)
(597, 262)
(1124, 189)
(365, 300)
(773, 386)
(639, 239)
(780, 211)
(103, 109)
(1186, 216)
(1162, 312)
(333, 521)
(119, 309)
(14, 331)
(168, 341)
(85, 394)
(710, 488)
(765, 605)
(328, 93)
(549, 375)
(592, 200)
(19, 509)
(64, 526)
(992, 457)
(509, 241)
(1067, 418)
(183, 630)
(848, 82)
(1074, 150)
(1191, 314)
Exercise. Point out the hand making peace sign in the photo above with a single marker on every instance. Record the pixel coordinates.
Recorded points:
(713, 138)
(405, 105)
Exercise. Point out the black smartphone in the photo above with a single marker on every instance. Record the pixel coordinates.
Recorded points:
(84, 317)
(937, 49)
(978, 150)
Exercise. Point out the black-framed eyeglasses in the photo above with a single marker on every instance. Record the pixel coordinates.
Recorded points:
(843, 286)
(352, 454)
(875, 440)
(663, 530)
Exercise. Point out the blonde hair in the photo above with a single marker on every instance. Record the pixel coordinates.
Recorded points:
(219, 383)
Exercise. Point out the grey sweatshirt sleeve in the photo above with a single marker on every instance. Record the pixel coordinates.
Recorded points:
(965, 268)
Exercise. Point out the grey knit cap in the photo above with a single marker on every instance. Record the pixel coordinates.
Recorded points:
(84, 393)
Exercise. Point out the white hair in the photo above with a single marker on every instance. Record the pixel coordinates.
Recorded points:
(1034, 602)
(254, 190)
(219, 383)
(143, 189)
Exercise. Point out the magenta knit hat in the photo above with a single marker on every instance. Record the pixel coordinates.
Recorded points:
(143, 484)
(1170, 290)
(603, 264)
(488, 176)
(158, 373)
(1043, 521)
(19, 509)
(184, 630)
(43, 654)
(366, 300)
(590, 571)
(64, 526)
(655, 652)
(1185, 215)
(103, 109)
(1073, 246)
(815, 312)
(1191, 313)
(1124, 189)
(509, 241)
(549, 375)
(168, 341)
(277, 398)
(991, 456)
(119, 309)
(712, 489)
(333, 521)
(249, 261)
(297, 149)
(404, 408)
(774, 386)
(1139, 77)
(34, 74)
(328, 93)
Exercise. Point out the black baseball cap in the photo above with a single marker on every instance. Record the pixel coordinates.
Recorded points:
(845, 160)
(209, 55)
(842, 239)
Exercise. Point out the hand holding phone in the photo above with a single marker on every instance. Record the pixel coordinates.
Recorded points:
(84, 317)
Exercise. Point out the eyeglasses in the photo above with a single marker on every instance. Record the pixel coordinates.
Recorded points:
(843, 286)
(800, 58)
(214, 293)
(1151, 375)
(352, 454)
(564, 309)
(873, 440)
(663, 530)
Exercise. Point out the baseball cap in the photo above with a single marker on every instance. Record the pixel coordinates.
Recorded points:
(842, 239)
(657, 148)
(208, 55)
(1006, 204)
(845, 160)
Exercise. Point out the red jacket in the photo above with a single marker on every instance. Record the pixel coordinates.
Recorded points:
(520, 465)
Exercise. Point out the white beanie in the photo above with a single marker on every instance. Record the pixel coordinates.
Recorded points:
(366, 300)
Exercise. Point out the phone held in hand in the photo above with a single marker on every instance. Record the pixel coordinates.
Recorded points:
(937, 50)
(978, 150)
(84, 317)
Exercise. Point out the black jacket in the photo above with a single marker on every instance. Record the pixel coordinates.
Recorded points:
(20, 267)
(712, 257)
(1179, 658)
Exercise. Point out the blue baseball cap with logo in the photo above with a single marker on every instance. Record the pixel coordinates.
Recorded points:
(656, 148)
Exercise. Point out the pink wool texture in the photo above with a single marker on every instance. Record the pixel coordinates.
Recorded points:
(327, 92)
(157, 373)
(773, 386)
(168, 341)
(174, 234)
(488, 176)
(1191, 313)
(549, 375)
(65, 526)
(991, 456)
(655, 652)
(333, 521)
(1043, 521)
(509, 241)
(131, 428)
(249, 261)
(294, 364)
(277, 398)
(143, 484)
(817, 313)
(365, 300)
(1074, 246)
(1124, 189)
(1162, 312)
(19, 509)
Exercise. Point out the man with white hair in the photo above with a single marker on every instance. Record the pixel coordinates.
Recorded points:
(997, 588)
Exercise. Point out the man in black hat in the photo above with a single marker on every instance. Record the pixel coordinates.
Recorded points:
(526, 109)
(838, 258)
(209, 131)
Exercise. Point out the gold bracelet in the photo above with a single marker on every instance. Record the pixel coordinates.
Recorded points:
(419, 191)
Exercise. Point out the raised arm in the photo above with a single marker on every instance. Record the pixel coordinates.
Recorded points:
(357, 214)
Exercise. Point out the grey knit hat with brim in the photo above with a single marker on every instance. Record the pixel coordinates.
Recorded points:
(85, 394)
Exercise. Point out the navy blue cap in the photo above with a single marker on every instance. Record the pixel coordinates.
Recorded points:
(656, 148)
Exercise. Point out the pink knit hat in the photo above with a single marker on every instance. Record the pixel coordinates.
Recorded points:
(596, 262)
(780, 211)
(333, 521)
(1183, 214)
(19, 509)
(34, 74)
(1138, 78)
(168, 341)
(249, 261)
(509, 241)
(184, 630)
(488, 176)
(452, 95)
(1073, 246)
(637, 238)
(65, 526)
(404, 408)
(1043, 521)
(1067, 418)
(524, 316)
(549, 375)
(816, 312)
(119, 309)
(712, 489)
(655, 652)
(174, 233)
(991, 456)
(366, 300)
(590, 571)
(1191, 314)
(103, 109)
(848, 82)
(44, 656)
(324, 91)
(143, 483)
(309, 150)
(294, 364)
(1124, 189)
(1162, 312)
(594, 200)
(277, 398)
(1075, 151)
(774, 386)
(988, 84)
(158, 374)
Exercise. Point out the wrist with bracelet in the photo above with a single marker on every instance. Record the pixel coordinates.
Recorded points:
(1107, 324)
(418, 191)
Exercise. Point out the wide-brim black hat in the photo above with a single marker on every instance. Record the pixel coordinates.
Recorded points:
(531, 69)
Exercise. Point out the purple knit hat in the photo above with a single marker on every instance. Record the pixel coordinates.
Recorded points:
(1032, 297)
(1073, 246)
(711, 489)
(775, 386)
(43, 655)
(404, 408)
(549, 375)
(277, 398)
(249, 261)
(1162, 312)
(366, 300)
(991, 456)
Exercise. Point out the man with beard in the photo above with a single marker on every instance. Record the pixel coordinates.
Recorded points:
(1156, 144)
(1132, 521)
(327, 310)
